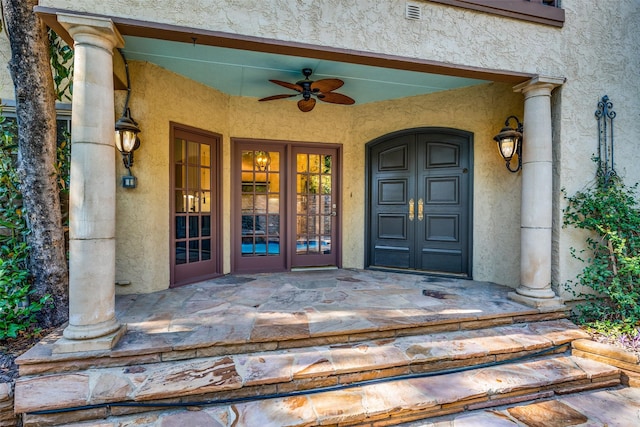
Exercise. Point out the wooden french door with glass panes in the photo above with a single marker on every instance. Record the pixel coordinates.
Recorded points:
(285, 206)
(195, 230)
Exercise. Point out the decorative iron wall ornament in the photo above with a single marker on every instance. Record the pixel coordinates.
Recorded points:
(605, 116)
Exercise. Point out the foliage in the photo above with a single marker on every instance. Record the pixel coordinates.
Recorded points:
(17, 313)
(610, 212)
(61, 65)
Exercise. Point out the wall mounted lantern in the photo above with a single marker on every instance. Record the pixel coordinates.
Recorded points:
(126, 136)
(510, 142)
(262, 160)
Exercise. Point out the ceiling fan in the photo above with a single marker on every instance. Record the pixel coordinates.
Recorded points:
(321, 89)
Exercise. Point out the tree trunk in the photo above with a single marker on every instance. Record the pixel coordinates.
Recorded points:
(36, 115)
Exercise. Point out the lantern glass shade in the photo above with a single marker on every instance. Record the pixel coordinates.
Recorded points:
(125, 140)
(508, 146)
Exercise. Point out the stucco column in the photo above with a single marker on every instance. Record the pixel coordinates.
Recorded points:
(537, 198)
(92, 210)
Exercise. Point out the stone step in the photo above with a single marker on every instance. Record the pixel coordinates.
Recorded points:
(268, 333)
(381, 404)
(281, 371)
(611, 407)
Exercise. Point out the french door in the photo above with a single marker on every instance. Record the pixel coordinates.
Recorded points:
(285, 206)
(420, 202)
(195, 229)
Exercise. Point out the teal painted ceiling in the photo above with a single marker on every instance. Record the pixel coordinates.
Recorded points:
(247, 73)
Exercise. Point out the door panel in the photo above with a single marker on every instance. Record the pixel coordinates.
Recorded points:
(420, 202)
(285, 208)
(259, 189)
(315, 207)
(194, 204)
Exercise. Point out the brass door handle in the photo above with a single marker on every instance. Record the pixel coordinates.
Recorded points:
(420, 209)
(411, 214)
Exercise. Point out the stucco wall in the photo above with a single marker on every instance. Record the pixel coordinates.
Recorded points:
(596, 50)
(160, 96)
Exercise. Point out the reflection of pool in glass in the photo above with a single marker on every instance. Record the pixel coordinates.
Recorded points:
(274, 248)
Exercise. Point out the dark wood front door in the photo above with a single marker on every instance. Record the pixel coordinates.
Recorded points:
(285, 206)
(195, 225)
(420, 201)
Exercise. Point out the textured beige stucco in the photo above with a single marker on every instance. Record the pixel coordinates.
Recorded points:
(160, 96)
(596, 50)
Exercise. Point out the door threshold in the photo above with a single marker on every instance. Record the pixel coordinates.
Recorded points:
(432, 273)
(328, 267)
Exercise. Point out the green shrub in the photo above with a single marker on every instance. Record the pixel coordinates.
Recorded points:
(610, 212)
(17, 313)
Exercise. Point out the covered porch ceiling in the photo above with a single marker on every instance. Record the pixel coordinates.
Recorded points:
(247, 73)
(241, 65)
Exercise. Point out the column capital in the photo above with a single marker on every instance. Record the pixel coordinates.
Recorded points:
(539, 85)
(93, 30)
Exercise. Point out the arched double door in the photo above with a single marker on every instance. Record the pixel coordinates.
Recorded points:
(419, 206)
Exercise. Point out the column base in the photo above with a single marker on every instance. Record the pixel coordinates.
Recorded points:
(543, 304)
(102, 343)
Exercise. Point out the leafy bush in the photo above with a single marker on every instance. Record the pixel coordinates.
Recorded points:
(610, 211)
(17, 313)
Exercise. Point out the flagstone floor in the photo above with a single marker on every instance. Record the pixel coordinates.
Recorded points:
(306, 307)
(237, 309)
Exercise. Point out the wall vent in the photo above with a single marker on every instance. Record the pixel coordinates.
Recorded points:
(413, 11)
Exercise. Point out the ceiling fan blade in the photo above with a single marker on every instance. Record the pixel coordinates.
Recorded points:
(306, 105)
(326, 85)
(288, 85)
(271, 98)
(336, 98)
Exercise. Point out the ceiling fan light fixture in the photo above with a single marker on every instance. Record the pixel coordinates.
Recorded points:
(321, 89)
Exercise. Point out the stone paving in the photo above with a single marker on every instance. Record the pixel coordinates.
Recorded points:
(241, 336)
(267, 311)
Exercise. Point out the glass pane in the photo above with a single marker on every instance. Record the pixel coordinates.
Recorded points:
(313, 225)
(325, 244)
(247, 161)
(205, 202)
(301, 163)
(274, 246)
(205, 179)
(181, 201)
(301, 206)
(179, 151)
(206, 250)
(193, 151)
(193, 201)
(180, 176)
(205, 155)
(247, 245)
(326, 225)
(314, 163)
(261, 224)
(301, 186)
(301, 226)
(312, 206)
(274, 225)
(327, 207)
(313, 245)
(194, 251)
(275, 161)
(181, 252)
(181, 227)
(193, 226)
(261, 203)
(314, 184)
(205, 225)
(274, 182)
(261, 246)
(247, 224)
(274, 203)
(247, 203)
(193, 180)
(301, 245)
(326, 165)
(326, 184)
